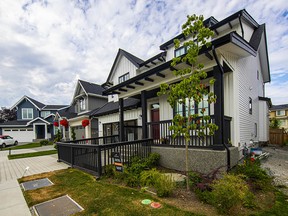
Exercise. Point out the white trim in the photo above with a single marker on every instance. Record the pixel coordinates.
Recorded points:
(52, 114)
(34, 129)
(97, 95)
(28, 109)
(78, 118)
(24, 97)
(38, 118)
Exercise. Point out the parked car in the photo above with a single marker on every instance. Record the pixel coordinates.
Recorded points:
(7, 140)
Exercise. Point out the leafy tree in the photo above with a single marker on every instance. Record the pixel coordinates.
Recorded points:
(7, 114)
(190, 88)
(275, 123)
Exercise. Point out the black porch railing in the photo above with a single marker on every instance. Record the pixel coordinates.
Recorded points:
(93, 158)
(96, 140)
(162, 136)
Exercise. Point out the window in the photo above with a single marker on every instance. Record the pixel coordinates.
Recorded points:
(27, 113)
(280, 112)
(44, 114)
(250, 105)
(183, 108)
(180, 51)
(124, 77)
(82, 104)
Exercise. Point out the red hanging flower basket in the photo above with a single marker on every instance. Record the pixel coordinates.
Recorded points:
(85, 122)
(56, 124)
(64, 122)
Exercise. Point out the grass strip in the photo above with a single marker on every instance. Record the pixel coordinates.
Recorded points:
(26, 146)
(96, 197)
(32, 154)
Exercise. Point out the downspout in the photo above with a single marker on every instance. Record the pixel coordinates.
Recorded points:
(241, 25)
(222, 110)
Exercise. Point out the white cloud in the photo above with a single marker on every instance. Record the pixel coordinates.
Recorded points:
(46, 45)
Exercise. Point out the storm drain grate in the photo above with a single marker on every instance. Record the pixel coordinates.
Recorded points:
(63, 206)
(32, 185)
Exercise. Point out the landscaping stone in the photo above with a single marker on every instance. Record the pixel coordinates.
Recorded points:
(176, 177)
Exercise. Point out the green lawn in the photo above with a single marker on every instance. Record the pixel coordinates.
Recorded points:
(96, 197)
(32, 154)
(26, 146)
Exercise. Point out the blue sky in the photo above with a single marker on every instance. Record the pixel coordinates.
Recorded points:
(47, 45)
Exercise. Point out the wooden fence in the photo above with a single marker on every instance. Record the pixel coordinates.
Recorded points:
(278, 136)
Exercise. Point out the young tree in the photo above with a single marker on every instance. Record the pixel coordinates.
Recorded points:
(275, 123)
(7, 114)
(190, 89)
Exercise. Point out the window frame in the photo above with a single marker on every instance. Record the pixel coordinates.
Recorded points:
(27, 110)
(180, 48)
(82, 104)
(124, 77)
(280, 111)
(47, 113)
(250, 106)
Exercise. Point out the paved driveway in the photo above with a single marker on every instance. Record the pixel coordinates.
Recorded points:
(12, 202)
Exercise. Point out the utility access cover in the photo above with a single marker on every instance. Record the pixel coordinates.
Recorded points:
(32, 185)
(63, 206)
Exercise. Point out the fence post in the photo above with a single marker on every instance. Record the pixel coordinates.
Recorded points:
(72, 156)
(99, 160)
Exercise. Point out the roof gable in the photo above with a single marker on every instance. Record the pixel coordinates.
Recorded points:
(133, 59)
(35, 103)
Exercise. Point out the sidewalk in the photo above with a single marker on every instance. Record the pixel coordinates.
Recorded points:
(12, 200)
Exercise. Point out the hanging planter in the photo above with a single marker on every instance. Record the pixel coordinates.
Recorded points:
(56, 124)
(85, 122)
(64, 123)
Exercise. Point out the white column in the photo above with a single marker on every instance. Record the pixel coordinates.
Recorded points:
(45, 131)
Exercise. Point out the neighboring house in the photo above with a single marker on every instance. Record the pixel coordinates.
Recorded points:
(237, 59)
(280, 112)
(87, 98)
(34, 120)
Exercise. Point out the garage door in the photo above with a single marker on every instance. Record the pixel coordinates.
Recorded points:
(21, 135)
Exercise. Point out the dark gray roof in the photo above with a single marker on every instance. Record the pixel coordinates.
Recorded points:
(54, 107)
(92, 88)
(135, 60)
(67, 112)
(14, 122)
(256, 37)
(113, 107)
(37, 103)
(279, 107)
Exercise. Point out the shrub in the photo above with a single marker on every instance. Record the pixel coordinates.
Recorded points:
(73, 134)
(164, 185)
(152, 160)
(230, 191)
(58, 136)
(44, 142)
(149, 177)
(194, 179)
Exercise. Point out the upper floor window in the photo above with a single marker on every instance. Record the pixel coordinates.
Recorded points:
(124, 77)
(180, 51)
(82, 104)
(44, 114)
(27, 113)
(280, 112)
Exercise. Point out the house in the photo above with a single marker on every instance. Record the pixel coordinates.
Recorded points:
(237, 59)
(87, 98)
(280, 112)
(34, 120)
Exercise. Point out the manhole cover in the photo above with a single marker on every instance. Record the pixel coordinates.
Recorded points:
(63, 206)
(32, 185)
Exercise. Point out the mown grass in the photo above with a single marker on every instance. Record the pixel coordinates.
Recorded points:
(32, 154)
(26, 146)
(96, 197)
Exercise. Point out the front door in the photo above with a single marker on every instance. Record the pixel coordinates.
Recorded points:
(155, 127)
(40, 131)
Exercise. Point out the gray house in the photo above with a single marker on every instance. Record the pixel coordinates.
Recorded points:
(34, 120)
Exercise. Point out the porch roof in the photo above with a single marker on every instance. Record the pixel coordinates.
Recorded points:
(231, 39)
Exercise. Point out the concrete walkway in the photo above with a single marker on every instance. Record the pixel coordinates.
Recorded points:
(12, 200)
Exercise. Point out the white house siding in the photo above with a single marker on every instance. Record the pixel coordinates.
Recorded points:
(134, 114)
(263, 121)
(248, 87)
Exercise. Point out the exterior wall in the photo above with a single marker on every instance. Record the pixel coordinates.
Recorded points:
(134, 114)
(201, 160)
(263, 121)
(26, 104)
(96, 102)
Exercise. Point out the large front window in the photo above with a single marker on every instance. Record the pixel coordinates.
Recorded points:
(183, 108)
(27, 113)
(44, 114)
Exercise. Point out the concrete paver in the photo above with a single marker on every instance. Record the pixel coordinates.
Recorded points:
(12, 200)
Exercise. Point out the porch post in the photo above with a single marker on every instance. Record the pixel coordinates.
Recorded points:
(46, 131)
(121, 120)
(144, 114)
(219, 108)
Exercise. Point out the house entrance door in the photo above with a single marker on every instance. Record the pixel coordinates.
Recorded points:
(155, 127)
